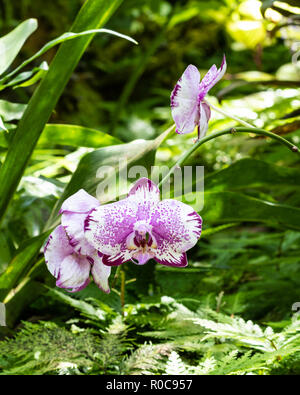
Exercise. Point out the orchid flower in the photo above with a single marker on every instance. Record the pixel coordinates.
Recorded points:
(68, 255)
(141, 227)
(189, 108)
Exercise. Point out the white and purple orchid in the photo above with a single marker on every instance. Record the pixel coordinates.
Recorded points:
(68, 255)
(141, 227)
(189, 108)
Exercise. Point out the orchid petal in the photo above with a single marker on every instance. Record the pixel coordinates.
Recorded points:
(184, 101)
(211, 78)
(74, 226)
(145, 195)
(203, 119)
(142, 257)
(100, 273)
(145, 189)
(118, 259)
(178, 260)
(80, 202)
(57, 249)
(108, 226)
(176, 228)
(74, 273)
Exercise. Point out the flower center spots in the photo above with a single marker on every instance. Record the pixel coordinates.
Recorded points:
(141, 238)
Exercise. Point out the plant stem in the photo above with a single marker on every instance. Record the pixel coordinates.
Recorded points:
(122, 297)
(246, 124)
(116, 276)
(212, 136)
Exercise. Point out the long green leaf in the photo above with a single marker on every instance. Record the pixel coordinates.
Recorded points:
(11, 44)
(249, 173)
(227, 207)
(74, 135)
(93, 15)
(118, 158)
(64, 37)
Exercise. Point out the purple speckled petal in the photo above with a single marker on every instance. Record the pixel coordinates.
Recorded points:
(204, 118)
(176, 228)
(74, 273)
(74, 226)
(184, 101)
(80, 202)
(145, 195)
(100, 272)
(56, 250)
(145, 189)
(140, 258)
(116, 260)
(211, 78)
(178, 260)
(108, 226)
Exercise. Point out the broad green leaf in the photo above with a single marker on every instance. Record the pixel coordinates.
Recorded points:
(10, 111)
(87, 309)
(74, 135)
(114, 160)
(11, 44)
(251, 173)
(93, 15)
(224, 207)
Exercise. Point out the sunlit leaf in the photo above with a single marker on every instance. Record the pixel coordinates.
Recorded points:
(77, 136)
(11, 44)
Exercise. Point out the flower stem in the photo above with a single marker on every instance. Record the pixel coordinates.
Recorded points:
(212, 136)
(246, 124)
(122, 297)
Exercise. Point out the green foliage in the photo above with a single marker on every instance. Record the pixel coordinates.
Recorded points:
(61, 118)
(46, 348)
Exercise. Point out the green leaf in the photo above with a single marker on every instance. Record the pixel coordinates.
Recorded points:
(2, 126)
(6, 250)
(118, 158)
(74, 135)
(30, 77)
(11, 111)
(11, 44)
(224, 207)
(93, 15)
(40, 72)
(251, 173)
(20, 264)
(63, 38)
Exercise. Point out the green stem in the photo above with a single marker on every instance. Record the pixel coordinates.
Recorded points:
(246, 124)
(116, 276)
(212, 136)
(122, 297)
